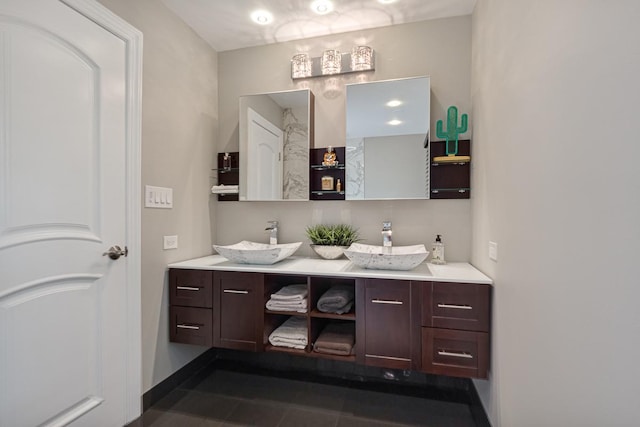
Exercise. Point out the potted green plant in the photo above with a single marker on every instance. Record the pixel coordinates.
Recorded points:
(330, 241)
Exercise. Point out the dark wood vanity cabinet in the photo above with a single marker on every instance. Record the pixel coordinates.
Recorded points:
(190, 310)
(436, 327)
(455, 329)
(388, 314)
(238, 300)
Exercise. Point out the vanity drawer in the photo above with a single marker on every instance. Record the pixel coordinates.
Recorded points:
(455, 353)
(191, 288)
(189, 325)
(456, 306)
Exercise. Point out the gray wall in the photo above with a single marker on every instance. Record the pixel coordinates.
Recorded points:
(556, 183)
(439, 48)
(179, 128)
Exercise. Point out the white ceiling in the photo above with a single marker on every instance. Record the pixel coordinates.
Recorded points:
(226, 25)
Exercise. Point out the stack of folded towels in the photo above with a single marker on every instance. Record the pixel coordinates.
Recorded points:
(336, 338)
(289, 298)
(292, 333)
(338, 299)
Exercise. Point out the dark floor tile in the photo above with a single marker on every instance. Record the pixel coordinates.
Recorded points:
(305, 418)
(346, 421)
(256, 414)
(321, 397)
(406, 410)
(154, 418)
(205, 405)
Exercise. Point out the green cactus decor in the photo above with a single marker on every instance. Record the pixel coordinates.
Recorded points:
(451, 135)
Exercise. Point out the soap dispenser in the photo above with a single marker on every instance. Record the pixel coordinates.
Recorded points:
(437, 252)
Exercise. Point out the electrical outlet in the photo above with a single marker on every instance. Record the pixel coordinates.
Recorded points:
(493, 251)
(170, 242)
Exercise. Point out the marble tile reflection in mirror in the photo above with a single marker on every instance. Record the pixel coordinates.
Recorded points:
(387, 150)
(276, 131)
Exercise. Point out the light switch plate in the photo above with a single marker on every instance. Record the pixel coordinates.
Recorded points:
(493, 251)
(170, 242)
(158, 197)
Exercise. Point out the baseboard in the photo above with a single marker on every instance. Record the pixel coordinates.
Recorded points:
(477, 409)
(165, 387)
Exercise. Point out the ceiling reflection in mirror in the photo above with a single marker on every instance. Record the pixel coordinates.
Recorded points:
(387, 149)
(276, 131)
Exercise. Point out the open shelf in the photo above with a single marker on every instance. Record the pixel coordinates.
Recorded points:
(347, 316)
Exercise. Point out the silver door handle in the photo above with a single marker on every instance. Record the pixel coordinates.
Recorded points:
(182, 326)
(187, 288)
(386, 301)
(233, 291)
(115, 252)
(455, 354)
(456, 306)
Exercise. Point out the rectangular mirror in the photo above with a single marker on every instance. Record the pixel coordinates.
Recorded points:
(387, 146)
(276, 132)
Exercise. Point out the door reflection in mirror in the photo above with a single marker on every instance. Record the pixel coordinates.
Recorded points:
(275, 135)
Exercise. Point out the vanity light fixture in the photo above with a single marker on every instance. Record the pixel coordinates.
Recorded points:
(361, 57)
(300, 66)
(262, 17)
(322, 7)
(332, 62)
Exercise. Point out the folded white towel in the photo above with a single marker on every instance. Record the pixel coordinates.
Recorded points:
(292, 333)
(291, 292)
(299, 306)
(224, 189)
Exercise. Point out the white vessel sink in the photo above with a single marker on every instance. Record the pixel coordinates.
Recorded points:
(247, 252)
(386, 258)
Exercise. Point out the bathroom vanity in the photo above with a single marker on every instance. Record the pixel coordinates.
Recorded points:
(434, 318)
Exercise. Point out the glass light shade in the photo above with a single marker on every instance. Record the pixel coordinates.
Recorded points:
(300, 66)
(361, 58)
(331, 62)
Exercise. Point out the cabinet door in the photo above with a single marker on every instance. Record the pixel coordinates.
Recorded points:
(388, 323)
(190, 325)
(239, 303)
(191, 288)
(455, 353)
(464, 306)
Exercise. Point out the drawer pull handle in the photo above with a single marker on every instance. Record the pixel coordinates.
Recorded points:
(182, 326)
(187, 288)
(386, 301)
(234, 291)
(455, 354)
(456, 306)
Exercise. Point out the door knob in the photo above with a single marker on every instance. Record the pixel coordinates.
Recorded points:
(114, 252)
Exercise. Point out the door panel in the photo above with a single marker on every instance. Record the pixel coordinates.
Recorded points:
(63, 202)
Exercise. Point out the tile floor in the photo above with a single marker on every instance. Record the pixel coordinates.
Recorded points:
(219, 397)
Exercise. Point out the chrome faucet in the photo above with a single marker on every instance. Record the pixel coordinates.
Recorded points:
(386, 234)
(273, 232)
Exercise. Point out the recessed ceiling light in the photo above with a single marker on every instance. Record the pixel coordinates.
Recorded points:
(386, 1)
(322, 7)
(262, 17)
(394, 103)
(394, 122)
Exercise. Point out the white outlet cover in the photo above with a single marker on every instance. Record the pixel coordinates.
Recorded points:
(493, 251)
(170, 242)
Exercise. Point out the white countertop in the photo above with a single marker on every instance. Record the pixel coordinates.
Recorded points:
(451, 272)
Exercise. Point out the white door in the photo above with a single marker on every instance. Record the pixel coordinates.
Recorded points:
(264, 162)
(68, 192)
